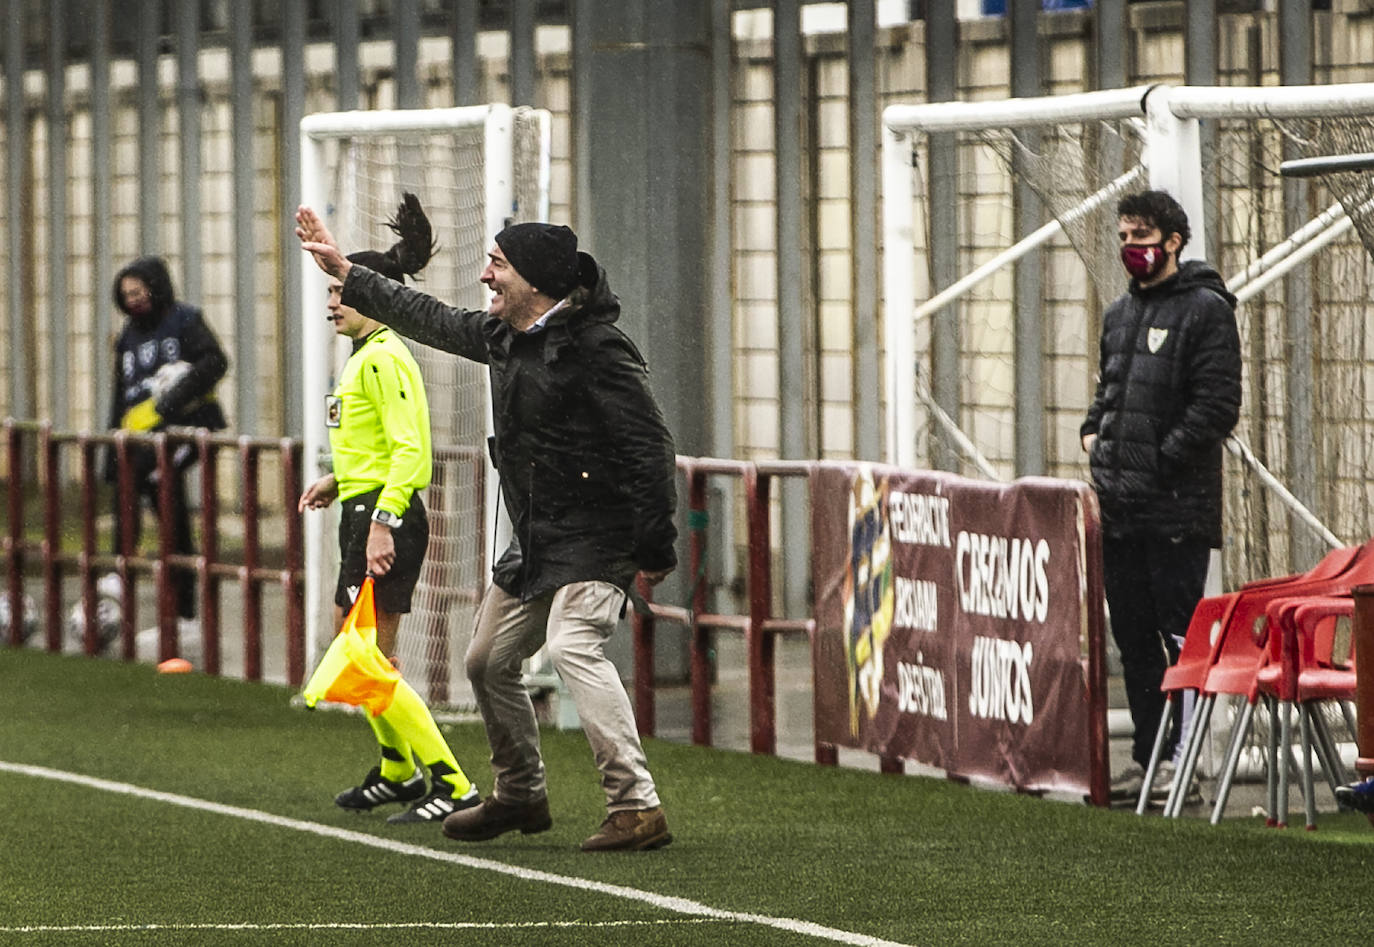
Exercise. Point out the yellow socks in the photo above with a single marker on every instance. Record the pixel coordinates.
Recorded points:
(412, 724)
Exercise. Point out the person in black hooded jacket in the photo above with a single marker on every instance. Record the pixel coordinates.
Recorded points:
(1168, 395)
(587, 470)
(167, 363)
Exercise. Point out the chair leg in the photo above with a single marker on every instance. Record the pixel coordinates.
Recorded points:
(1309, 801)
(1349, 716)
(1233, 751)
(1143, 802)
(1183, 775)
(1271, 775)
(1280, 812)
(1328, 754)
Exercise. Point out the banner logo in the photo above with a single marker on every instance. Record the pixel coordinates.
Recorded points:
(868, 594)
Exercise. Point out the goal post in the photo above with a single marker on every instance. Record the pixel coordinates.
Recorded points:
(475, 169)
(1297, 253)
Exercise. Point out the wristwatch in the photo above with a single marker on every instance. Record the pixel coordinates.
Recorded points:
(386, 519)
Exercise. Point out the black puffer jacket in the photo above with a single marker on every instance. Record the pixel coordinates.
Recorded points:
(172, 332)
(587, 464)
(1168, 395)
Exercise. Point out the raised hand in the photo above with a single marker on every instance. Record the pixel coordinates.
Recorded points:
(319, 243)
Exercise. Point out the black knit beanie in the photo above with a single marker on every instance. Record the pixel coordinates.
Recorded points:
(544, 254)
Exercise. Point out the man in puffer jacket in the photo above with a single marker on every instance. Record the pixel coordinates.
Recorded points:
(587, 470)
(1168, 394)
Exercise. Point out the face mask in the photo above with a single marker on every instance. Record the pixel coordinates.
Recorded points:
(1143, 261)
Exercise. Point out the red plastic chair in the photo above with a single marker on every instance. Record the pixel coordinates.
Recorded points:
(1325, 662)
(1302, 666)
(1214, 620)
(1274, 681)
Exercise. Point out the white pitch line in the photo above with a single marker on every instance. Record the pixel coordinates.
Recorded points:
(344, 926)
(664, 902)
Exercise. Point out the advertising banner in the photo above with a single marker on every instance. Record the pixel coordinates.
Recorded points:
(951, 621)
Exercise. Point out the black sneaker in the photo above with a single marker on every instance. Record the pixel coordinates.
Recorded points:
(435, 806)
(376, 791)
(1358, 796)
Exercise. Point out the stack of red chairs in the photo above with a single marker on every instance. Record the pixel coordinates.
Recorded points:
(1223, 651)
(1302, 666)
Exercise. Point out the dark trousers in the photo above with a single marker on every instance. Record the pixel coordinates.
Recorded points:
(146, 490)
(1153, 584)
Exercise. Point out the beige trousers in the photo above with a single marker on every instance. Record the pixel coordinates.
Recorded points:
(574, 622)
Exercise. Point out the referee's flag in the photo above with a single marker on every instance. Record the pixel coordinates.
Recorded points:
(353, 669)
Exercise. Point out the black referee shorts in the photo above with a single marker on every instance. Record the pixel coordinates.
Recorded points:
(393, 590)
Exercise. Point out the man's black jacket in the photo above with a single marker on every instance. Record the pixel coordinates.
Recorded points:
(1168, 394)
(587, 465)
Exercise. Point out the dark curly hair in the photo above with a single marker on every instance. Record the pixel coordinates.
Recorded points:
(408, 255)
(1159, 209)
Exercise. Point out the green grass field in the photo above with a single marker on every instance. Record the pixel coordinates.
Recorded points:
(180, 809)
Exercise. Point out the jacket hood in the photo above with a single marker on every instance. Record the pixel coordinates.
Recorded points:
(592, 300)
(1192, 274)
(153, 272)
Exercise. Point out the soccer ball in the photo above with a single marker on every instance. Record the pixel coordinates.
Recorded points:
(30, 617)
(167, 376)
(108, 613)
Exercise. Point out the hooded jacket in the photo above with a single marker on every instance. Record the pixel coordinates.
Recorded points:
(586, 462)
(1168, 394)
(170, 332)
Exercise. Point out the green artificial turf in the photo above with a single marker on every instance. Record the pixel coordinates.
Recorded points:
(904, 859)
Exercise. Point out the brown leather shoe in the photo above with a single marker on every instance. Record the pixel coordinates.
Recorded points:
(494, 817)
(631, 830)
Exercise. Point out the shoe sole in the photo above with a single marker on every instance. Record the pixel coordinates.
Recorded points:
(484, 836)
(646, 845)
(389, 802)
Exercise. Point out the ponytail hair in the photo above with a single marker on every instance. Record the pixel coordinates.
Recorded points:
(408, 255)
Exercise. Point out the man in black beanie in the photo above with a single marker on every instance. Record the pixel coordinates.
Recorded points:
(587, 470)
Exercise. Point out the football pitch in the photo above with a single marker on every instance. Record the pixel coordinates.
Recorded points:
(180, 809)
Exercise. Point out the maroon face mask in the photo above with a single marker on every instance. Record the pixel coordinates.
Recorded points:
(1143, 261)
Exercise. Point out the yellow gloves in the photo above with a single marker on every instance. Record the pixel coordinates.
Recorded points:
(141, 417)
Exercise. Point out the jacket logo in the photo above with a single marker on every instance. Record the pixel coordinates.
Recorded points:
(1155, 339)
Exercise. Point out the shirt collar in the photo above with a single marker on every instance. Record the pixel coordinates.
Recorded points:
(543, 321)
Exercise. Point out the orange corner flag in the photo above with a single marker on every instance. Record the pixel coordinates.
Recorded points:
(353, 669)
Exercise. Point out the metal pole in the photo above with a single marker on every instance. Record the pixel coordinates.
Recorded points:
(1295, 68)
(59, 305)
(293, 110)
(467, 67)
(102, 216)
(149, 129)
(244, 175)
(863, 189)
(791, 294)
(188, 120)
(346, 52)
(942, 183)
(522, 60)
(1029, 384)
(406, 48)
(17, 178)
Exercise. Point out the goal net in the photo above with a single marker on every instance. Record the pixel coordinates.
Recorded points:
(974, 368)
(474, 169)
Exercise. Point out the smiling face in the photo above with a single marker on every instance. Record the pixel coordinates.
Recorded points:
(514, 300)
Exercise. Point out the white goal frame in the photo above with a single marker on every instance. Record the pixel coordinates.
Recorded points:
(500, 205)
(1172, 159)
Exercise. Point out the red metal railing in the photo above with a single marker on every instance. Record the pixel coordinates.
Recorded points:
(760, 626)
(56, 563)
